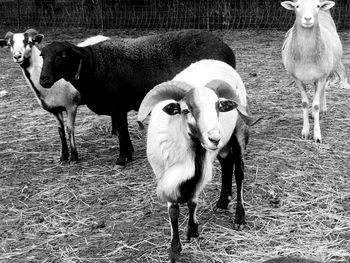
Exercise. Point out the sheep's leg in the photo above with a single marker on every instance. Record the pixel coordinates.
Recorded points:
(343, 79)
(60, 127)
(239, 142)
(175, 248)
(192, 229)
(305, 104)
(226, 181)
(321, 85)
(126, 150)
(323, 100)
(71, 114)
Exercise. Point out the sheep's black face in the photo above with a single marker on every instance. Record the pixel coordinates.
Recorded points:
(59, 61)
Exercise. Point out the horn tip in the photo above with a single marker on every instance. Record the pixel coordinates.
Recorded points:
(141, 126)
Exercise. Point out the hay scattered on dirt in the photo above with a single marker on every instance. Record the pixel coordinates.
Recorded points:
(296, 192)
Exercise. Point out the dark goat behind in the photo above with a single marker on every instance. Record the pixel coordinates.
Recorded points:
(114, 76)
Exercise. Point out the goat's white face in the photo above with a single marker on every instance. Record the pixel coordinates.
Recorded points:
(200, 111)
(307, 10)
(21, 47)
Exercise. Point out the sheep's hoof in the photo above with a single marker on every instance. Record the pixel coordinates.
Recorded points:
(64, 158)
(318, 140)
(73, 158)
(304, 135)
(223, 202)
(174, 254)
(122, 161)
(238, 227)
(192, 231)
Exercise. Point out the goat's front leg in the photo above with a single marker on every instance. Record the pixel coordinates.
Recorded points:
(319, 91)
(61, 132)
(126, 149)
(175, 248)
(71, 114)
(305, 104)
(192, 228)
(226, 181)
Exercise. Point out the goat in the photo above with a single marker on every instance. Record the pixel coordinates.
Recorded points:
(114, 76)
(201, 114)
(62, 97)
(312, 53)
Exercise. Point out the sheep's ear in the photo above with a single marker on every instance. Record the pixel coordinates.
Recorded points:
(227, 105)
(38, 38)
(288, 5)
(77, 51)
(8, 37)
(172, 108)
(326, 5)
(34, 36)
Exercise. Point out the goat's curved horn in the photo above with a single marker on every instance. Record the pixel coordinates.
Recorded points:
(31, 32)
(175, 90)
(224, 90)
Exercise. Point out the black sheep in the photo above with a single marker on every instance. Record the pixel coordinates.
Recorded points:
(114, 76)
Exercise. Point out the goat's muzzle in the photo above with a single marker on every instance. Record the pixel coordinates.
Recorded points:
(46, 82)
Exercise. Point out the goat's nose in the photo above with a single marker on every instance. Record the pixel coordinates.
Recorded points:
(308, 19)
(214, 141)
(17, 56)
(214, 136)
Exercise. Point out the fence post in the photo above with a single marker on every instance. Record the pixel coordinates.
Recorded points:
(18, 15)
(208, 15)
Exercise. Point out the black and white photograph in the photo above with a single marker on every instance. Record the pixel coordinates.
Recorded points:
(181, 131)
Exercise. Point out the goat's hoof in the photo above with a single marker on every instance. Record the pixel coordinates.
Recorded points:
(238, 227)
(73, 161)
(305, 135)
(318, 140)
(174, 254)
(222, 203)
(122, 161)
(192, 231)
(64, 157)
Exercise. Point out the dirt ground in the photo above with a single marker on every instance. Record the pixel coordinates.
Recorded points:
(297, 192)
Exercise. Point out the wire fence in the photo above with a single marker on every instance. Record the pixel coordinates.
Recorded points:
(156, 14)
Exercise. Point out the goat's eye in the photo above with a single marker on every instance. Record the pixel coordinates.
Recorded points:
(185, 111)
(318, 6)
(297, 6)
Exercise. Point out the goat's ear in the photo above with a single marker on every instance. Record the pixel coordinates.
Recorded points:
(326, 5)
(75, 50)
(38, 38)
(172, 108)
(227, 105)
(288, 5)
(3, 43)
(8, 37)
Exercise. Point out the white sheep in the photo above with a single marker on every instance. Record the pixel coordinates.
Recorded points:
(311, 54)
(63, 96)
(195, 118)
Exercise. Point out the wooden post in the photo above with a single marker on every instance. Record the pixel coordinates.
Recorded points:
(18, 15)
(208, 15)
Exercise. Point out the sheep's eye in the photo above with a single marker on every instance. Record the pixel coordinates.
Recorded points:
(185, 111)
(318, 6)
(297, 6)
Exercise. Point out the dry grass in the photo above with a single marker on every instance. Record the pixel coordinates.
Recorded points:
(296, 192)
